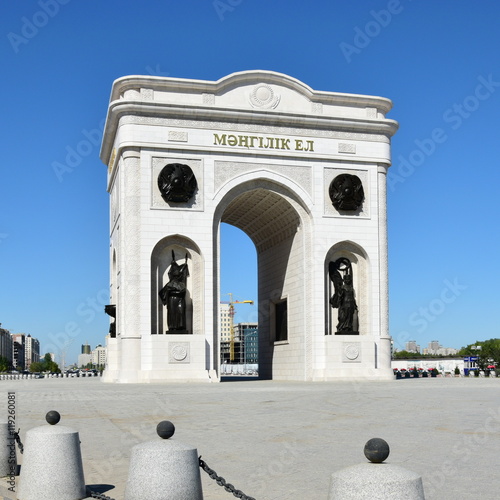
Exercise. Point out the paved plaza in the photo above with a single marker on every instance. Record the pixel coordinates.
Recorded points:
(282, 440)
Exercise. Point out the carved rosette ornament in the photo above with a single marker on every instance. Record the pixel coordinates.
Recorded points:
(263, 96)
(179, 352)
(177, 183)
(346, 192)
(351, 351)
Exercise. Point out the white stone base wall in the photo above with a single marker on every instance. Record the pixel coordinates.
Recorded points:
(174, 358)
(353, 357)
(111, 373)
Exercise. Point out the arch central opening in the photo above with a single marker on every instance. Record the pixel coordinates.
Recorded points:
(266, 217)
(272, 224)
(238, 304)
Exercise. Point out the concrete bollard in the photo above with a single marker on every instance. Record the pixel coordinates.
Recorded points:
(164, 469)
(376, 480)
(52, 466)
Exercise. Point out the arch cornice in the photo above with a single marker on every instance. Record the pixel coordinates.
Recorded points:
(174, 98)
(245, 78)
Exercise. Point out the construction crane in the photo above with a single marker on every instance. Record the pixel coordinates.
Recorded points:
(231, 316)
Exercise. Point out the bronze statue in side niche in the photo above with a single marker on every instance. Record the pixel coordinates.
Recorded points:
(344, 299)
(173, 295)
(110, 310)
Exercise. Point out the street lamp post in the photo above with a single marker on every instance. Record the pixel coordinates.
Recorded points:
(476, 348)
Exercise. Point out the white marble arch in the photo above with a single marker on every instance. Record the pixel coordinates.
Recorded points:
(264, 148)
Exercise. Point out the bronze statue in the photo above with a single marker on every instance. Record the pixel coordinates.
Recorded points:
(346, 192)
(173, 295)
(110, 310)
(343, 299)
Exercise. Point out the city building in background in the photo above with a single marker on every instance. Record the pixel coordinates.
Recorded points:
(248, 337)
(6, 348)
(245, 340)
(438, 350)
(84, 359)
(95, 358)
(18, 351)
(99, 356)
(412, 346)
(433, 345)
(31, 351)
(225, 332)
(225, 322)
(434, 348)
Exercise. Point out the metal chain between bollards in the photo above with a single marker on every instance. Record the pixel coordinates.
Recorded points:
(213, 475)
(222, 482)
(94, 494)
(17, 437)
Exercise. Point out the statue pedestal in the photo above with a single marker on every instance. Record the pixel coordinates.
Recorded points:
(173, 357)
(355, 357)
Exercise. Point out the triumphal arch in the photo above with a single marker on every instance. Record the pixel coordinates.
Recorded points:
(302, 172)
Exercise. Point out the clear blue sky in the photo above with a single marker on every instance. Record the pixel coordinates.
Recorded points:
(437, 61)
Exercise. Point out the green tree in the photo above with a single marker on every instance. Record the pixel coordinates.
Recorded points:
(485, 351)
(406, 355)
(4, 364)
(51, 366)
(45, 365)
(36, 367)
